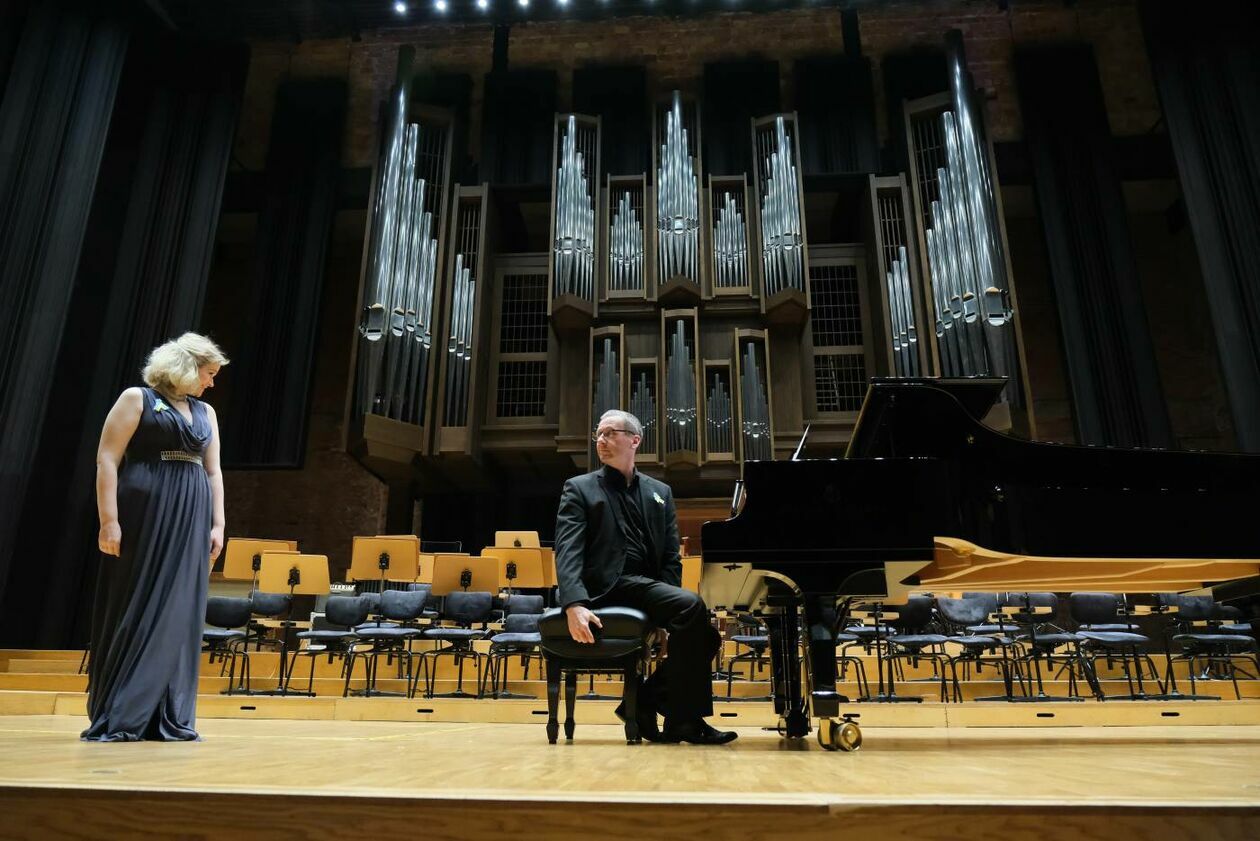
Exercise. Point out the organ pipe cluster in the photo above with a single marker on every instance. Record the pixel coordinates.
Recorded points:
(782, 239)
(717, 417)
(965, 253)
(755, 408)
(574, 248)
(625, 248)
(677, 202)
(905, 338)
(643, 407)
(680, 398)
(730, 245)
(396, 329)
(459, 343)
(606, 389)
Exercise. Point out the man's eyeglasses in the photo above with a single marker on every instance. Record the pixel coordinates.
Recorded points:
(608, 433)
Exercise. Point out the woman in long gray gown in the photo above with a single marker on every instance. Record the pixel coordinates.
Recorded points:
(159, 495)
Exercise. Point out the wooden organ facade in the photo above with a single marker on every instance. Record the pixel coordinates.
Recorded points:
(694, 299)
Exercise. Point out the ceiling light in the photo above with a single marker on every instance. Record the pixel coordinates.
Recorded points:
(401, 8)
(440, 5)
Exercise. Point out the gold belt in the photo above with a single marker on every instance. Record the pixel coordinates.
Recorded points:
(179, 455)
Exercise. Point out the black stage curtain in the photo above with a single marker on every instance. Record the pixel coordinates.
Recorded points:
(835, 97)
(54, 117)
(1207, 70)
(517, 119)
(1110, 360)
(133, 276)
(265, 425)
(735, 92)
(619, 95)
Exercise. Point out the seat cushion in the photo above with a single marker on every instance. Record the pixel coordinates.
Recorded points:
(221, 635)
(505, 639)
(746, 639)
(1113, 638)
(978, 641)
(454, 634)
(623, 632)
(918, 640)
(369, 632)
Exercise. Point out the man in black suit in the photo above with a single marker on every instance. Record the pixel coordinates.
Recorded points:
(617, 544)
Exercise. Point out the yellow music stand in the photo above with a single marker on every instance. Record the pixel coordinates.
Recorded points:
(453, 573)
(243, 557)
(549, 567)
(516, 540)
(305, 575)
(385, 559)
(518, 568)
(691, 570)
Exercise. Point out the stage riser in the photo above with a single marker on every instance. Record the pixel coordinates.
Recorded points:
(927, 714)
(113, 813)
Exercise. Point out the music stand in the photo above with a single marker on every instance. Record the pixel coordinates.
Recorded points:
(305, 575)
(516, 540)
(518, 568)
(243, 557)
(381, 559)
(452, 573)
(692, 569)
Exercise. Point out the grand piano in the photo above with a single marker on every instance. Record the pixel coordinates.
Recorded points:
(930, 499)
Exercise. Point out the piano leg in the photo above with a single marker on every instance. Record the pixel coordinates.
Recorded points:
(785, 664)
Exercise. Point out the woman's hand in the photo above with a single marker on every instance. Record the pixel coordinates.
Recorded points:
(110, 538)
(216, 542)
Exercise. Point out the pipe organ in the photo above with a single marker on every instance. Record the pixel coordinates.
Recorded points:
(677, 170)
(667, 290)
(396, 327)
(963, 239)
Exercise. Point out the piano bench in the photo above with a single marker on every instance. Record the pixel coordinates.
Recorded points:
(620, 647)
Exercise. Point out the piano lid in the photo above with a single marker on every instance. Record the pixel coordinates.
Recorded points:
(976, 395)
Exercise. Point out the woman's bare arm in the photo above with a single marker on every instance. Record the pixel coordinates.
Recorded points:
(120, 425)
(211, 461)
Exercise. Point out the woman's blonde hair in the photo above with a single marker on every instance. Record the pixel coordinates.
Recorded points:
(172, 367)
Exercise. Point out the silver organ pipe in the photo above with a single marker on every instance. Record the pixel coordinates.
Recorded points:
(574, 248)
(625, 249)
(717, 417)
(680, 397)
(755, 411)
(730, 245)
(677, 202)
(396, 325)
(643, 407)
(782, 237)
(606, 389)
(965, 249)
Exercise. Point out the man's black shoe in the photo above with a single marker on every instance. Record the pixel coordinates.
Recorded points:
(697, 732)
(648, 729)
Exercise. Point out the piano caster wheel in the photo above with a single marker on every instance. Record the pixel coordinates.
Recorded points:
(839, 735)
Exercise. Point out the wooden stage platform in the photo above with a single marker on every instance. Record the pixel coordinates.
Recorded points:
(370, 779)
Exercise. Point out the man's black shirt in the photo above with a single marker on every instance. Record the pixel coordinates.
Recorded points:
(625, 504)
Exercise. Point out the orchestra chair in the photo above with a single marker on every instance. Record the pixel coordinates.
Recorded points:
(620, 647)
(462, 608)
(1094, 612)
(305, 575)
(959, 616)
(225, 638)
(1205, 648)
(519, 637)
(754, 637)
(265, 606)
(391, 635)
(1042, 641)
(913, 640)
(341, 615)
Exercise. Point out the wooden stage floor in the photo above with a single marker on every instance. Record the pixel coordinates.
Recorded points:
(347, 779)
